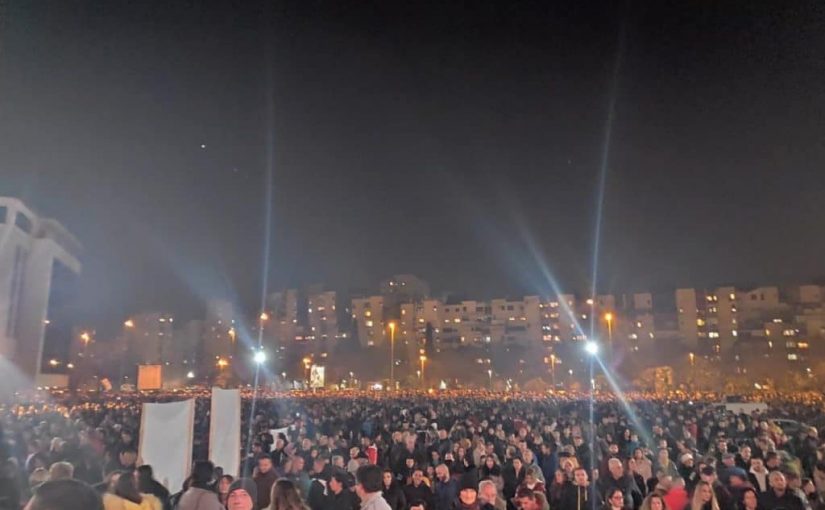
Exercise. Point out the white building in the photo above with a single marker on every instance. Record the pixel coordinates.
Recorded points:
(39, 262)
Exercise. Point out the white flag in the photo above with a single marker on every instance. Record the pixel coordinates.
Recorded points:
(166, 441)
(225, 430)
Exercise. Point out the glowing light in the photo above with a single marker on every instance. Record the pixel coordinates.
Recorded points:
(85, 336)
(608, 317)
(190, 375)
(264, 316)
(222, 363)
(129, 323)
(53, 362)
(259, 357)
(591, 348)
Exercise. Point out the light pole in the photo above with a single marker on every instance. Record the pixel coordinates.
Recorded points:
(392, 355)
(553, 369)
(422, 358)
(692, 358)
(490, 375)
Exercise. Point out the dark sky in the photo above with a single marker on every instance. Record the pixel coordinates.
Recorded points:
(438, 138)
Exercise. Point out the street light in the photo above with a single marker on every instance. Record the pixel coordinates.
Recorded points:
(591, 347)
(190, 375)
(222, 363)
(264, 317)
(129, 323)
(392, 354)
(259, 356)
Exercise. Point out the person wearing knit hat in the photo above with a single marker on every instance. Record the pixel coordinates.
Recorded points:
(243, 495)
(467, 493)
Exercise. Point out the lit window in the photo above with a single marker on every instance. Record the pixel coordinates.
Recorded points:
(792, 357)
(368, 314)
(713, 334)
(732, 296)
(700, 322)
(802, 345)
(368, 324)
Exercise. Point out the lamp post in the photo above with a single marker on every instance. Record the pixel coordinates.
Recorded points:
(553, 369)
(392, 355)
(422, 358)
(490, 375)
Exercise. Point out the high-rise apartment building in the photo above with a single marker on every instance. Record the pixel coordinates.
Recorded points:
(39, 264)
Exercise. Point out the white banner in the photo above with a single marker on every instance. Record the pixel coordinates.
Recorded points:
(166, 441)
(225, 430)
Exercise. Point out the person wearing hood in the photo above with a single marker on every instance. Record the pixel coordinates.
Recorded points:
(242, 495)
(124, 495)
(200, 495)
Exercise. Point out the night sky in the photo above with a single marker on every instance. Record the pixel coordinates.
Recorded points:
(459, 141)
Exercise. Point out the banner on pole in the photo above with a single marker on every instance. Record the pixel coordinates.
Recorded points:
(225, 430)
(166, 441)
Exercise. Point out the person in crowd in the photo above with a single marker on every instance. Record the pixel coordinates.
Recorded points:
(264, 478)
(339, 495)
(369, 480)
(703, 497)
(242, 494)
(643, 465)
(615, 500)
(758, 475)
(637, 477)
(721, 493)
(61, 470)
(749, 501)
(299, 476)
(489, 497)
(555, 492)
(417, 490)
(616, 478)
(655, 501)
(814, 501)
(65, 495)
(392, 492)
(200, 495)
(286, 496)
(147, 484)
(513, 476)
(531, 480)
(528, 500)
(491, 470)
(445, 488)
(676, 495)
(581, 494)
(224, 483)
(778, 496)
(467, 493)
(126, 496)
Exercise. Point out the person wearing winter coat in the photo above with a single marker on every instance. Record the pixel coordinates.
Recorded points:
(125, 495)
(200, 495)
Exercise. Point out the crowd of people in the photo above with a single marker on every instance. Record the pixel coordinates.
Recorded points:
(426, 452)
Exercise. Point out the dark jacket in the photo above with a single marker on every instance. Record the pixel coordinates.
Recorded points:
(395, 497)
(626, 484)
(420, 493)
(264, 483)
(344, 500)
(445, 493)
(580, 498)
(788, 501)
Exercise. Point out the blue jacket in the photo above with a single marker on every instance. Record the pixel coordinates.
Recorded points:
(445, 494)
